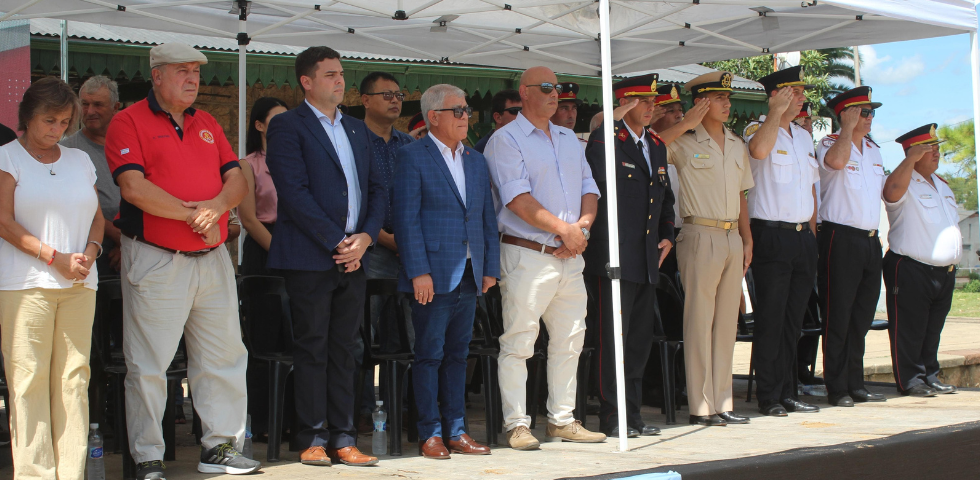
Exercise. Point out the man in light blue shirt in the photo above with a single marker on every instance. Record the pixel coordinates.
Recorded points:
(546, 201)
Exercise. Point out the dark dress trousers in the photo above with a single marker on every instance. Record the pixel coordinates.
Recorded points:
(434, 227)
(646, 216)
(327, 304)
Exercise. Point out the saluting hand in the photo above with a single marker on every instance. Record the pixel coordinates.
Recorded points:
(694, 116)
(780, 102)
(849, 118)
(918, 152)
(658, 112)
(620, 111)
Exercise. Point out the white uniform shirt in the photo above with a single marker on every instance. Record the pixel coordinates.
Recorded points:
(924, 225)
(675, 186)
(852, 195)
(784, 180)
(454, 160)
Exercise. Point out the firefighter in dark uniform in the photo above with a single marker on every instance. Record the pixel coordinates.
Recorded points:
(646, 234)
(924, 246)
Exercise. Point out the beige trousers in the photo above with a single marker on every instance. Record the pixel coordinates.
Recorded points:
(536, 286)
(166, 295)
(46, 341)
(710, 261)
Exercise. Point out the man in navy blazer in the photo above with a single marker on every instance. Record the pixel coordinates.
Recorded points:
(446, 231)
(331, 207)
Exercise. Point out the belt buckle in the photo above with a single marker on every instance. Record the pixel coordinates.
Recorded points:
(872, 233)
(799, 227)
(951, 267)
(727, 225)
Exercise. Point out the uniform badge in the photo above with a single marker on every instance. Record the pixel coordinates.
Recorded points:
(207, 136)
(751, 129)
(828, 142)
(704, 156)
(661, 171)
(629, 165)
(782, 152)
(622, 135)
(726, 80)
(926, 196)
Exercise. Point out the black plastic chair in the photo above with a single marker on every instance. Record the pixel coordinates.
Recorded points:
(267, 331)
(812, 327)
(108, 341)
(746, 329)
(670, 309)
(485, 347)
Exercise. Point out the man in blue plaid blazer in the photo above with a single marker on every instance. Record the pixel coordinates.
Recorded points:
(446, 231)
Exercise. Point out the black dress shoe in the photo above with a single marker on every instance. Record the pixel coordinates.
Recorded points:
(708, 420)
(796, 406)
(840, 400)
(630, 432)
(920, 390)
(733, 418)
(942, 387)
(772, 409)
(862, 395)
(647, 430)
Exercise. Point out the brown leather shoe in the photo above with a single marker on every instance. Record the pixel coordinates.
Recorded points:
(315, 456)
(351, 456)
(433, 448)
(468, 446)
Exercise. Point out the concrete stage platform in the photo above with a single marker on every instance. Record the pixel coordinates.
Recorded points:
(922, 438)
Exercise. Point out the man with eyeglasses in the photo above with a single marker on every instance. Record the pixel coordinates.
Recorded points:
(546, 202)
(783, 211)
(506, 104)
(852, 176)
(447, 228)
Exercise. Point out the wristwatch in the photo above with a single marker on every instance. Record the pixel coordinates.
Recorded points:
(585, 232)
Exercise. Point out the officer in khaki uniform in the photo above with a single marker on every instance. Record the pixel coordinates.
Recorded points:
(924, 246)
(715, 244)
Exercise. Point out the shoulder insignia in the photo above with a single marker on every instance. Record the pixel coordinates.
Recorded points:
(751, 129)
(656, 138)
(871, 142)
(622, 135)
(834, 136)
(829, 140)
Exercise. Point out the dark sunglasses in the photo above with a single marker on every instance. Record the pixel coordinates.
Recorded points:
(458, 111)
(511, 110)
(868, 113)
(389, 95)
(547, 87)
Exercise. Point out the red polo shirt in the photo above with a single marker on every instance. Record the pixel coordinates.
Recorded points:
(187, 163)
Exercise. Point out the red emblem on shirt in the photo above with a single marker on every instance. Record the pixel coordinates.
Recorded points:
(622, 135)
(207, 136)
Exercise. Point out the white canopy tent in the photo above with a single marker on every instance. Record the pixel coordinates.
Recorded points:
(568, 36)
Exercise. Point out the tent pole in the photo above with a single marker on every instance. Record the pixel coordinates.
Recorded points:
(613, 215)
(63, 46)
(975, 73)
(242, 89)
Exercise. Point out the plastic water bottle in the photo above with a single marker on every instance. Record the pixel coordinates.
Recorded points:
(95, 465)
(379, 439)
(247, 447)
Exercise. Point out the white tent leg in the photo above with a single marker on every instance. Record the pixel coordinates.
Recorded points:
(613, 215)
(975, 73)
(64, 50)
(242, 121)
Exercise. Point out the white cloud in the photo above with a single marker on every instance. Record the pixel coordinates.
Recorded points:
(884, 70)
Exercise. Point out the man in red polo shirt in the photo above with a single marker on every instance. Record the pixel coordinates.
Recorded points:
(178, 177)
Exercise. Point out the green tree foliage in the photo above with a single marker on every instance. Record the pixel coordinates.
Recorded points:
(960, 150)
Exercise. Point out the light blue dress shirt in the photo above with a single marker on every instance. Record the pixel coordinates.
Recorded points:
(341, 145)
(522, 159)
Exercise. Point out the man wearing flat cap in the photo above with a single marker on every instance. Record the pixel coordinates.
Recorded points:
(849, 270)
(924, 246)
(783, 211)
(178, 178)
(646, 233)
(714, 247)
(568, 103)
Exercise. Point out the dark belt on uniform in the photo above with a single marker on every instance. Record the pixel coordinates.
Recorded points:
(520, 242)
(799, 227)
(195, 253)
(848, 229)
(934, 268)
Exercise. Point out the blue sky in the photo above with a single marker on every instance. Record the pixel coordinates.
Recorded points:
(917, 82)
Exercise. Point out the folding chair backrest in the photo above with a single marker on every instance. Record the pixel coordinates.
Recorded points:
(265, 316)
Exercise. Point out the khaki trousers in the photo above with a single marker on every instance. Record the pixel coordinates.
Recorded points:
(536, 286)
(710, 261)
(46, 341)
(166, 295)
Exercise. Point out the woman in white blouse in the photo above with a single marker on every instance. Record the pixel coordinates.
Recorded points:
(51, 227)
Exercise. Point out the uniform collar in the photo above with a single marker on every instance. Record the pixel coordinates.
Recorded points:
(702, 135)
(155, 107)
(636, 138)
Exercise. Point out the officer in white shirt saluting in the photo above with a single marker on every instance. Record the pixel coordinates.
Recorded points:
(783, 213)
(924, 246)
(851, 179)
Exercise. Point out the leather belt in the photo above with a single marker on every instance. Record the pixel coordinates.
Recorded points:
(799, 227)
(195, 253)
(935, 268)
(848, 229)
(707, 222)
(520, 242)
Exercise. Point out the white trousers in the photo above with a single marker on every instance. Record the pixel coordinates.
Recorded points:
(166, 295)
(536, 286)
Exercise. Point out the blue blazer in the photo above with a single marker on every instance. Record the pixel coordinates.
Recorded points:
(312, 189)
(433, 227)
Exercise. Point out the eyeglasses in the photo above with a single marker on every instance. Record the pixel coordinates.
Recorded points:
(511, 110)
(547, 87)
(457, 111)
(389, 95)
(868, 113)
